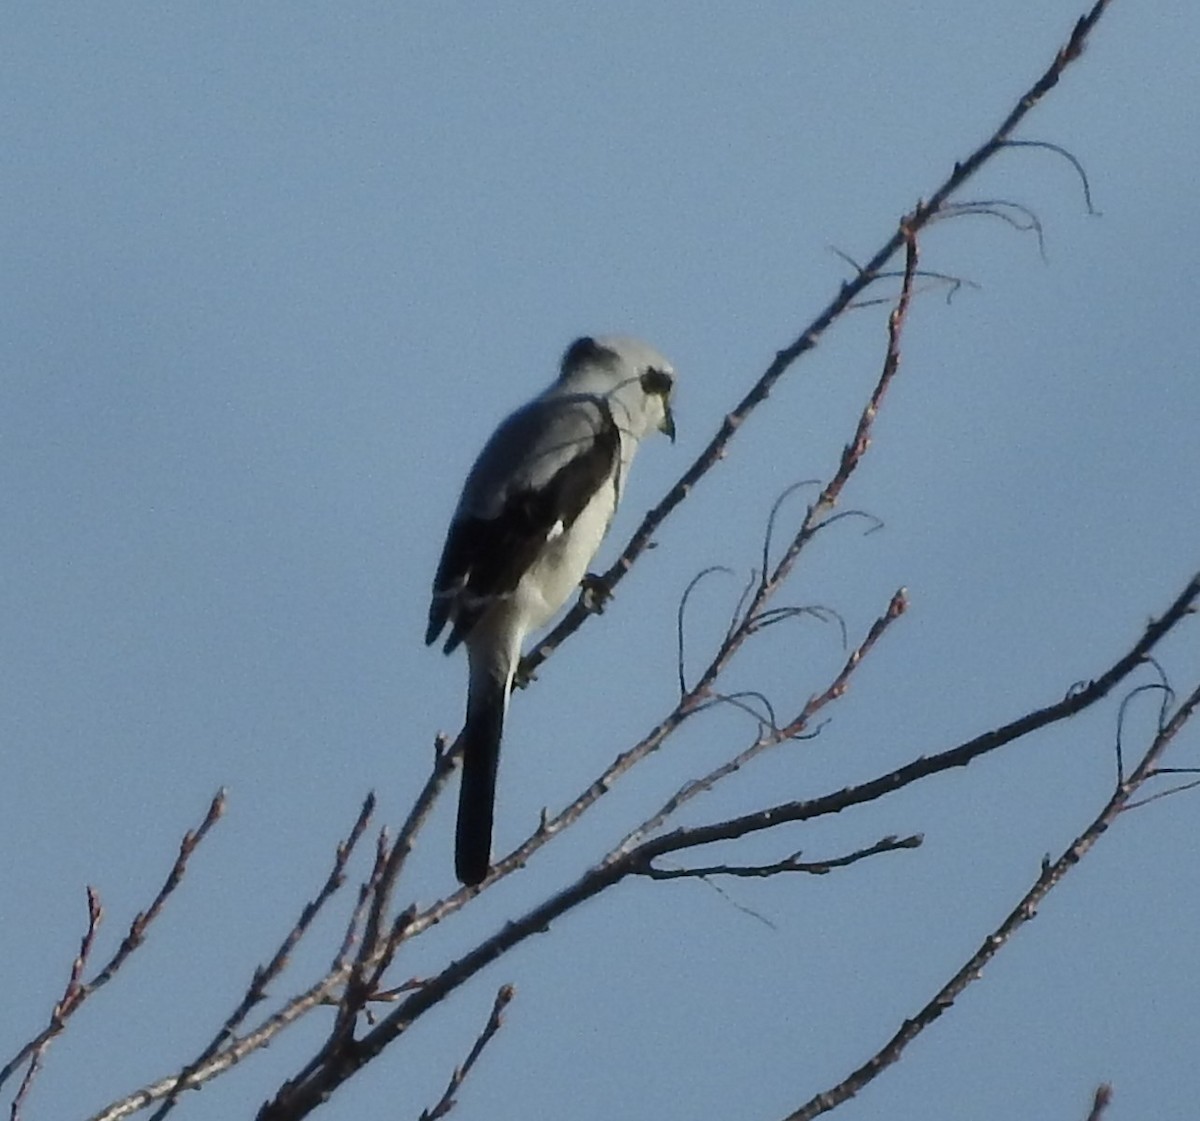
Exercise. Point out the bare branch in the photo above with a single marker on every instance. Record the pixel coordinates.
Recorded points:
(238, 1049)
(323, 992)
(1100, 1102)
(137, 928)
(256, 991)
(360, 976)
(300, 1096)
(769, 736)
(848, 292)
(444, 761)
(1163, 794)
(791, 863)
(446, 1103)
(755, 614)
(79, 992)
(73, 995)
(922, 767)
(1051, 876)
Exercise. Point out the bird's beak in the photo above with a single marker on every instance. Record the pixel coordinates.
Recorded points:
(668, 422)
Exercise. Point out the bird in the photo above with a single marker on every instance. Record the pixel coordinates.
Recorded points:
(532, 513)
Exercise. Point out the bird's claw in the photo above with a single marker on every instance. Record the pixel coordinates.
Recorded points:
(523, 676)
(595, 593)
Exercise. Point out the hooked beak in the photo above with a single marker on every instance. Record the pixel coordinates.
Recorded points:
(668, 422)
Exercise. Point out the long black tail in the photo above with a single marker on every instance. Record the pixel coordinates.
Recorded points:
(476, 798)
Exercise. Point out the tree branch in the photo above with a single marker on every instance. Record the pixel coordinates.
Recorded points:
(791, 863)
(71, 998)
(301, 1096)
(77, 992)
(972, 969)
(446, 1103)
(1100, 1102)
(922, 214)
(256, 991)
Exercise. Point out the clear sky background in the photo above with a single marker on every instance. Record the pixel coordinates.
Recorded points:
(272, 272)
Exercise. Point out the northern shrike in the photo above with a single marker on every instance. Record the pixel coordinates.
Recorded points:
(533, 511)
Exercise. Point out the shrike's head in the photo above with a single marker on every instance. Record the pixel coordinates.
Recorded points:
(634, 378)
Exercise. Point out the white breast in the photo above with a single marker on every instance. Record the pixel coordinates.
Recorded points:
(554, 577)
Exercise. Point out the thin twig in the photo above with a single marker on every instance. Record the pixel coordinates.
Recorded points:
(791, 863)
(366, 892)
(263, 975)
(1162, 686)
(1014, 214)
(299, 1097)
(446, 1103)
(134, 937)
(1163, 794)
(1100, 1102)
(137, 928)
(381, 937)
(681, 615)
(847, 293)
(755, 613)
(769, 736)
(1060, 150)
(73, 995)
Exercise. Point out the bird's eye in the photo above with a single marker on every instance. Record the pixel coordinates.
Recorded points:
(657, 381)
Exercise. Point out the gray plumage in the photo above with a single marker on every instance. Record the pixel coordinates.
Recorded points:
(533, 511)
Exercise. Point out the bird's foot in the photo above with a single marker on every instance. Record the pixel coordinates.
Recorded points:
(523, 675)
(595, 593)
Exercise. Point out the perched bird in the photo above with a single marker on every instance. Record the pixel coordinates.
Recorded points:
(533, 511)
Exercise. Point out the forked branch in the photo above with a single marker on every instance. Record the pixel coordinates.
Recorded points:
(971, 970)
(301, 1096)
(77, 990)
(846, 295)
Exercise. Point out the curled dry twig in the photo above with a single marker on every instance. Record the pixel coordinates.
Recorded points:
(1069, 157)
(770, 735)
(320, 1078)
(952, 283)
(301, 1097)
(1014, 214)
(341, 1051)
(754, 613)
(848, 293)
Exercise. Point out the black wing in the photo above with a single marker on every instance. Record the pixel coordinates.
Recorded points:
(485, 556)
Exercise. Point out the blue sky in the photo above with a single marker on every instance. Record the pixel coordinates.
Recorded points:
(273, 272)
